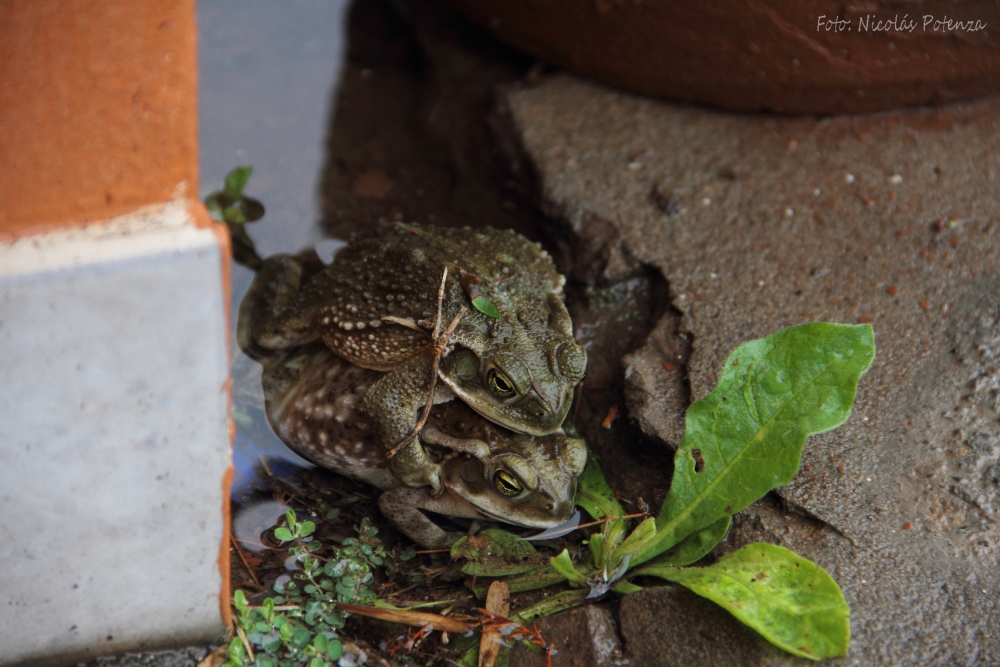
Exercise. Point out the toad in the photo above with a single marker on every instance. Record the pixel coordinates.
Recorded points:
(381, 304)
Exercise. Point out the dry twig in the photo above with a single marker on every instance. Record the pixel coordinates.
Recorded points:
(611, 518)
(440, 344)
(239, 552)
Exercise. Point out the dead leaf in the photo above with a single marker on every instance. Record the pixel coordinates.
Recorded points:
(498, 604)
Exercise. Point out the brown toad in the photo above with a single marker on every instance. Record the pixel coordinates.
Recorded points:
(314, 403)
(376, 305)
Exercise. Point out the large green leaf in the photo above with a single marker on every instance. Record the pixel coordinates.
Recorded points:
(697, 545)
(746, 436)
(791, 601)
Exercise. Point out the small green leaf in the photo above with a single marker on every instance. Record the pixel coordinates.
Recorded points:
(613, 534)
(596, 546)
(789, 600)
(283, 534)
(563, 564)
(236, 651)
(335, 649)
(267, 610)
(240, 600)
(746, 436)
(643, 532)
(236, 180)
(593, 493)
(234, 214)
(333, 513)
(486, 307)
(301, 637)
(291, 519)
(306, 528)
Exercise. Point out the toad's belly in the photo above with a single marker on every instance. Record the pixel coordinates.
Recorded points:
(314, 402)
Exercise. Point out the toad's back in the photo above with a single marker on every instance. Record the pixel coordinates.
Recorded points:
(393, 276)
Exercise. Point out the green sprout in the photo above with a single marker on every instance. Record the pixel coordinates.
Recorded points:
(231, 206)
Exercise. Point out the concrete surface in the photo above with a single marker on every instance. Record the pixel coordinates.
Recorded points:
(757, 223)
(114, 438)
(585, 637)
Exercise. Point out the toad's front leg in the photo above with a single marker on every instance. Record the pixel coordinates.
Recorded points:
(403, 506)
(270, 316)
(394, 403)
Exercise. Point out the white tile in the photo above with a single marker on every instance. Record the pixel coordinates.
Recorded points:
(114, 437)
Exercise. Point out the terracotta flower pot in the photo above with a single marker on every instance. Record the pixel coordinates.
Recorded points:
(751, 55)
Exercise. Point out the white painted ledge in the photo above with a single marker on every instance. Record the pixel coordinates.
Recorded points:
(114, 438)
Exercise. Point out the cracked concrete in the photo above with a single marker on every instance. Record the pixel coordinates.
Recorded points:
(758, 223)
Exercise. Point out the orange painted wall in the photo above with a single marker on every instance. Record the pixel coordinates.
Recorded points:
(98, 109)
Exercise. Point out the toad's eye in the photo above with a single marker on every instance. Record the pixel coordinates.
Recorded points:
(499, 384)
(507, 484)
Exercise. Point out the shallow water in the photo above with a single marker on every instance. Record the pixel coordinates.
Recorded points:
(267, 75)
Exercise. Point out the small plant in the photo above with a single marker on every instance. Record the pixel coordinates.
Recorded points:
(741, 441)
(231, 206)
(299, 626)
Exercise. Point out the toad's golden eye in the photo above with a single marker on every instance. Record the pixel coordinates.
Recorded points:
(499, 384)
(507, 484)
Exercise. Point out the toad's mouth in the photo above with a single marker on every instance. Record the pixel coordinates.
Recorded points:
(546, 423)
(523, 521)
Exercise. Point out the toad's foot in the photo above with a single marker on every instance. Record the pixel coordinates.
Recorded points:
(393, 403)
(270, 319)
(414, 467)
(471, 446)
